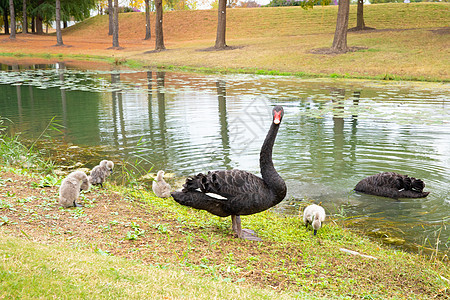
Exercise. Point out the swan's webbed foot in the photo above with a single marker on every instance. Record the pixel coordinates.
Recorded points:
(250, 235)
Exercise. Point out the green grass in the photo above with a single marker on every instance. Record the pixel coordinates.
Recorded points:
(191, 254)
(30, 270)
(314, 266)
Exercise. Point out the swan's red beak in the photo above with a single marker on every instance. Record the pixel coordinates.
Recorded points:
(277, 117)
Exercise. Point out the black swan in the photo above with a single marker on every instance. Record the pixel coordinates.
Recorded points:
(314, 215)
(236, 192)
(392, 185)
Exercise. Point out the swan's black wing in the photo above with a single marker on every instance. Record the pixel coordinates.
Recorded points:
(224, 193)
(392, 185)
(228, 183)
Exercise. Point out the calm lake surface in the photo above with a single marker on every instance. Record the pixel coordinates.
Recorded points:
(334, 133)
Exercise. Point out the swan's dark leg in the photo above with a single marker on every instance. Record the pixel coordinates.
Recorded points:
(246, 234)
(236, 225)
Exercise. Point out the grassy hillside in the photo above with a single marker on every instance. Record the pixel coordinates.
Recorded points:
(410, 42)
(267, 22)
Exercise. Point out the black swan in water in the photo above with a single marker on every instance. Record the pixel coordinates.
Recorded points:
(237, 192)
(392, 185)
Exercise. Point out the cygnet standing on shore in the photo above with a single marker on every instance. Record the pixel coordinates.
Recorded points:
(70, 188)
(314, 215)
(100, 172)
(160, 187)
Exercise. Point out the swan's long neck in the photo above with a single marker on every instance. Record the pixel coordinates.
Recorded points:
(268, 172)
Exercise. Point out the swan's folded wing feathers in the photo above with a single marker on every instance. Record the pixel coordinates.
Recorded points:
(417, 185)
(232, 183)
(224, 185)
(191, 184)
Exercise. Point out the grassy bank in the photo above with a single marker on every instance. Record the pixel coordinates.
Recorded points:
(33, 270)
(125, 242)
(410, 42)
(128, 243)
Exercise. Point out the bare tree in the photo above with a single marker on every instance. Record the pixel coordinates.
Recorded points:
(360, 15)
(116, 24)
(340, 35)
(148, 32)
(159, 38)
(59, 40)
(221, 25)
(360, 24)
(5, 21)
(12, 15)
(110, 16)
(24, 17)
(39, 28)
(33, 24)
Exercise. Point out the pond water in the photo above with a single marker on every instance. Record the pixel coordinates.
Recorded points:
(334, 133)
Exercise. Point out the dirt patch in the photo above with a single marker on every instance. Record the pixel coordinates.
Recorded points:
(155, 51)
(443, 31)
(357, 29)
(329, 51)
(221, 49)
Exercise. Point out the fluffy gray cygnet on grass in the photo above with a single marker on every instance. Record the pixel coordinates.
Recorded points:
(100, 172)
(160, 187)
(70, 188)
(314, 215)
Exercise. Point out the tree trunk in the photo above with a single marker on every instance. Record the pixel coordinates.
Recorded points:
(5, 21)
(65, 24)
(59, 40)
(159, 37)
(360, 16)
(116, 24)
(33, 24)
(148, 32)
(340, 35)
(110, 16)
(221, 25)
(13, 20)
(24, 17)
(39, 28)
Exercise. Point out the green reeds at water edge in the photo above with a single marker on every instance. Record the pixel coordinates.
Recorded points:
(13, 152)
(16, 152)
